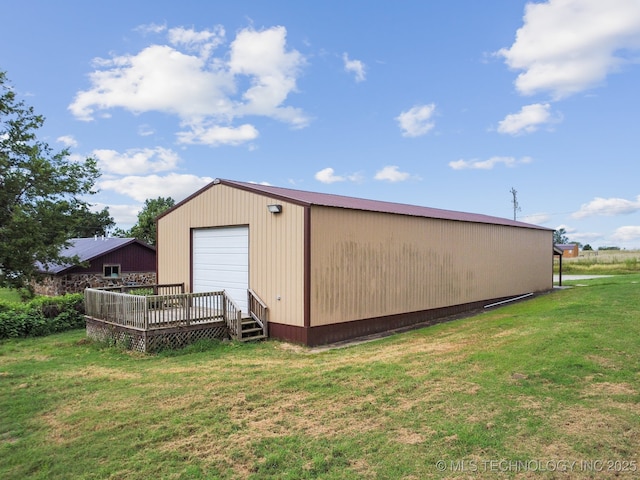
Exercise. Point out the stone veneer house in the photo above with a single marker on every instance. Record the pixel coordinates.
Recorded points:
(107, 262)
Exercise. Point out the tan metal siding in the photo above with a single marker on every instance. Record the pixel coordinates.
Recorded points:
(368, 264)
(276, 254)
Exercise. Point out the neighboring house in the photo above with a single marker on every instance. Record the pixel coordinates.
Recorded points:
(108, 262)
(569, 250)
(330, 267)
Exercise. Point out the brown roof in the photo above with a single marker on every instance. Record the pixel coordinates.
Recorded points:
(566, 246)
(304, 198)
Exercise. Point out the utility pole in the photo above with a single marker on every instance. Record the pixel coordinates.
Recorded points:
(516, 205)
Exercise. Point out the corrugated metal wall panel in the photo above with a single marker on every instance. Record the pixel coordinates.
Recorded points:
(276, 253)
(367, 264)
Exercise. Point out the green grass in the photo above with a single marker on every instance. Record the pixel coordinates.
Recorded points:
(551, 379)
(614, 262)
(9, 295)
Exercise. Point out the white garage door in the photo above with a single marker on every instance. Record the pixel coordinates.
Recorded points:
(221, 262)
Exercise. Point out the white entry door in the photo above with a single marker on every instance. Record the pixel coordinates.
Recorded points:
(221, 262)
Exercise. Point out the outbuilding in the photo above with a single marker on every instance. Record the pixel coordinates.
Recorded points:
(569, 250)
(102, 262)
(331, 267)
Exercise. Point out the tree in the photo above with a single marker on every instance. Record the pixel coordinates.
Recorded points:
(560, 237)
(587, 248)
(88, 223)
(145, 228)
(514, 201)
(40, 192)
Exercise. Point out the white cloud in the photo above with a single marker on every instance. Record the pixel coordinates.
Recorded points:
(627, 234)
(417, 120)
(527, 120)
(77, 158)
(145, 130)
(272, 70)
(568, 46)
(205, 91)
(159, 78)
(140, 188)
(150, 28)
(354, 66)
(327, 175)
(203, 42)
(216, 135)
(576, 236)
(391, 173)
(536, 218)
(567, 228)
(136, 161)
(588, 237)
(608, 206)
(488, 164)
(125, 216)
(67, 141)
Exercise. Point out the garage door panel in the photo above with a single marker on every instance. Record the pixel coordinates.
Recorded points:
(221, 262)
(230, 264)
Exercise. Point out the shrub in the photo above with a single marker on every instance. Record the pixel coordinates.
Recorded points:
(41, 316)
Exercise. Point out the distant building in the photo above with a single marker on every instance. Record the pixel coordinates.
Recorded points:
(569, 250)
(107, 262)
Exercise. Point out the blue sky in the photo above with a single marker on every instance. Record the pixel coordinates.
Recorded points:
(442, 104)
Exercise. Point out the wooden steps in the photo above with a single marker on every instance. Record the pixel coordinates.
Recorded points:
(250, 330)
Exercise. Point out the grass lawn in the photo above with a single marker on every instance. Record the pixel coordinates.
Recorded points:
(545, 388)
(606, 262)
(9, 295)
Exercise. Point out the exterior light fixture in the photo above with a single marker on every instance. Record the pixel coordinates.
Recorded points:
(276, 208)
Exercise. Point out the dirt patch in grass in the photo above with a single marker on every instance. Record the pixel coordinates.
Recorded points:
(602, 361)
(276, 415)
(608, 389)
(412, 349)
(98, 372)
(60, 431)
(411, 437)
(591, 426)
(292, 347)
(534, 404)
(505, 333)
(299, 412)
(362, 468)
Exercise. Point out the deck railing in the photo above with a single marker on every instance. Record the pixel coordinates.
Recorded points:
(152, 289)
(233, 316)
(115, 307)
(258, 311)
(149, 312)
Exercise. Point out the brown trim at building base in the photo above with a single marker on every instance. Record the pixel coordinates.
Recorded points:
(338, 332)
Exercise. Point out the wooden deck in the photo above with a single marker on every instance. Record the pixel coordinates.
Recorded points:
(148, 322)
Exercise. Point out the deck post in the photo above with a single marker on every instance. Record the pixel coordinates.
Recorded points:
(146, 315)
(188, 301)
(224, 309)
